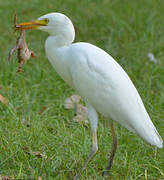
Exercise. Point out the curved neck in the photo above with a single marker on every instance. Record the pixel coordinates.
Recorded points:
(61, 37)
(57, 41)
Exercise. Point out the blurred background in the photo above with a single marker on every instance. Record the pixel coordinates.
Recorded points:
(50, 144)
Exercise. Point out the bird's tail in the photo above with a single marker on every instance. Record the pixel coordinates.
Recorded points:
(150, 134)
(158, 140)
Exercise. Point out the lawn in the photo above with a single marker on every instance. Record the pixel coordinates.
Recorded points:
(50, 145)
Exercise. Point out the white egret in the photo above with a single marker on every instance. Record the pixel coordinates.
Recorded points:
(98, 78)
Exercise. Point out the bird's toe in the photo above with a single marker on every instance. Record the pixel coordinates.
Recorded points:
(105, 174)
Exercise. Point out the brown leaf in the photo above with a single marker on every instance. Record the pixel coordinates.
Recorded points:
(75, 98)
(68, 104)
(71, 101)
(38, 154)
(35, 153)
(3, 100)
(80, 109)
(80, 118)
(81, 114)
(6, 177)
(42, 110)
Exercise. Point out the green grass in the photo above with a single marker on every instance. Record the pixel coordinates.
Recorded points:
(128, 30)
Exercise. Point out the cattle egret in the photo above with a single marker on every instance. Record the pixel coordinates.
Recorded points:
(98, 78)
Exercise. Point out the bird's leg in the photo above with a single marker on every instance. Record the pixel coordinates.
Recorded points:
(114, 147)
(92, 153)
(93, 118)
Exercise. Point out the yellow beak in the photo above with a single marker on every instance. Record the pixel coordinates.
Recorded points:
(31, 25)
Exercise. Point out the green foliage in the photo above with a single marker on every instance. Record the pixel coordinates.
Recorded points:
(128, 30)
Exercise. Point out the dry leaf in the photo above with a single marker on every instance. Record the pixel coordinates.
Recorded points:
(39, 178)
(71, 101)
(80, 109)
(6, 177)
(42, 110)
(68, 104)
(80, 118)
(75, 98)
(3, 100)
(37, 153)
(81, 114)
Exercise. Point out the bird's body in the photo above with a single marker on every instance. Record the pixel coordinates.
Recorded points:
(102, 83)
(98, 78)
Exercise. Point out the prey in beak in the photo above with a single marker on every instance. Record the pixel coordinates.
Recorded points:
(32, 24)
(23, 53)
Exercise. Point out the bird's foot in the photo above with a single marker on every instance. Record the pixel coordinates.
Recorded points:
(105, 174)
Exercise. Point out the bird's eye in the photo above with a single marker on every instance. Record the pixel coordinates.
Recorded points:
(46, 20)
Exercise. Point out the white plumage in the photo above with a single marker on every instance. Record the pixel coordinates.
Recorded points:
(101, 81)
(98, 78)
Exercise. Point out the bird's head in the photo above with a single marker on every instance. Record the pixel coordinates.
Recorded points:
(53, 23)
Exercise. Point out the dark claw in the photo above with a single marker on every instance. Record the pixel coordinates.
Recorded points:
(105, 174)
